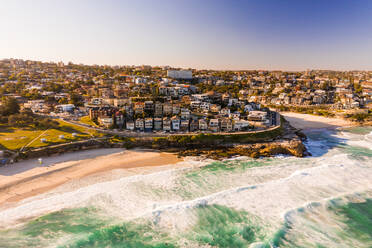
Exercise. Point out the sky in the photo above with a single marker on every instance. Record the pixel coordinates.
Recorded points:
(201, 34)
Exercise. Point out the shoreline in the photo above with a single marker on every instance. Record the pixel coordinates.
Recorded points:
(308, 122)
(17, 184)
(27, 178)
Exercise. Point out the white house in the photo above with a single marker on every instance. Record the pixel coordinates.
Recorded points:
(240, 125)
(175, 124)
(140, 125)
(203, 125)
(130, 125)
(65, 107)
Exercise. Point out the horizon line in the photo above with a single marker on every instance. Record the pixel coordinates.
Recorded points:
(181, 67)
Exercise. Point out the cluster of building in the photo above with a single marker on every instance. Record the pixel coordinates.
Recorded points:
(182, 116)
(169, 99)
(336, 93)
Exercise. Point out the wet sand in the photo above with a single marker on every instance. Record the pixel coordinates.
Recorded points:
(29, 178)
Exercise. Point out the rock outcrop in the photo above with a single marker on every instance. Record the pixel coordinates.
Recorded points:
(293, 147)
(289, 143)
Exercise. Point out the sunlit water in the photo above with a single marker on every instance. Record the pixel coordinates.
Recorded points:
(320, 201)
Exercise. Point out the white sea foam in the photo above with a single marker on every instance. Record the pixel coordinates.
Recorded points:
(358, 140)
(266, 191)
(318, 223)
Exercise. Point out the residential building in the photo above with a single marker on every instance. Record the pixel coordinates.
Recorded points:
(148, 124)
(158, 109)
(149, 106)
(130, 125)
(175, 109)
(184, 125)
(139, 107)
(203, 125)
(194, 125)
(226, 125)
(140, 125)
(106, 121)
(185, 113)
(158, 124)
(167, 126)
(167, 109)
(214, 125)
(240, 125)
(175, 123)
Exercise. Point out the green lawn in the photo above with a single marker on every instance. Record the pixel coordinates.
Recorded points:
(88, 121)
(15, 138)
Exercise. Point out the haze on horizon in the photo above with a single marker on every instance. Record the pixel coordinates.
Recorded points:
(202, 34)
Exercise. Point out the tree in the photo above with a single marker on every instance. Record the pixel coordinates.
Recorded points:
(76, 100)
(62, 101)
(9, 106)
(20, 120)
(46, 123)
(54, 87)
(358, 88)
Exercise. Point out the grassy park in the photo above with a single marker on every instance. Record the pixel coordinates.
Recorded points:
(13, 138)
(86, 120)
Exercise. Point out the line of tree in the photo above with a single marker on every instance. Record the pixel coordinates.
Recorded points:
(12, 115)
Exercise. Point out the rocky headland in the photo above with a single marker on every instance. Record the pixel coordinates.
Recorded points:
(290, 142)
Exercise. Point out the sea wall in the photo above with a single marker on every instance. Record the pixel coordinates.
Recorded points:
(63, 148)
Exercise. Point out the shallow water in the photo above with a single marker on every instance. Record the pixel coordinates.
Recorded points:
(316, 201)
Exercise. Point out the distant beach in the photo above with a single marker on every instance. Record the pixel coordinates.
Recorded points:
(306, 121)
(29, 178)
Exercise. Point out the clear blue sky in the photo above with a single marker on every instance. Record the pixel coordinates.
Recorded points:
(215, 34)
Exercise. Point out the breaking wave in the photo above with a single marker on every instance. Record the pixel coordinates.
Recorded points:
(238, 202)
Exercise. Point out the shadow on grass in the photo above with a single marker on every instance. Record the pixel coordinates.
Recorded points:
(2, 147)
(69, 129)
(59, 141)
(6, 130)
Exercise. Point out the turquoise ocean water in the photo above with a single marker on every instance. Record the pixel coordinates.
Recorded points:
(320, 201)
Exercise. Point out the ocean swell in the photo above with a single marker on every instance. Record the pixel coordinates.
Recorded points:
(248, 196)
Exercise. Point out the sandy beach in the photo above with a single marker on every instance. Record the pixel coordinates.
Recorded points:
(306, 122)
(29, 178)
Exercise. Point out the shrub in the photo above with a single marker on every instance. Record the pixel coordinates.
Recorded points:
(46, 123)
